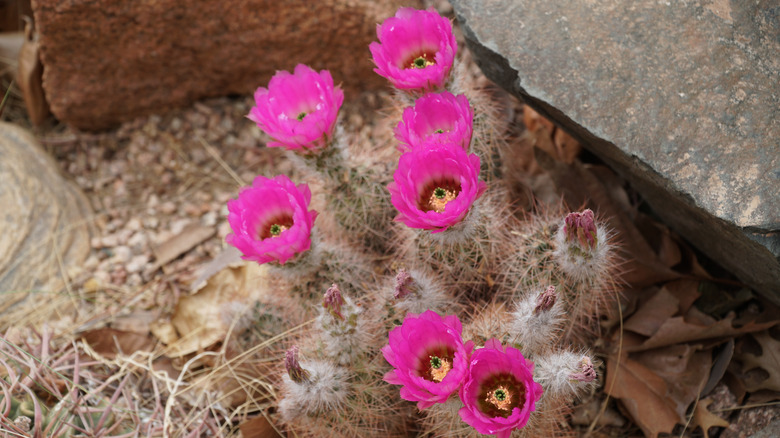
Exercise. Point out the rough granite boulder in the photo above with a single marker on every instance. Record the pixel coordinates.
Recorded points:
(681, 98)
(44, 222)
(106, 61)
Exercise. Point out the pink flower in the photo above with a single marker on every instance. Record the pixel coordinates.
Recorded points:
(499, 393)
(270, 220)
(428, 357)
(416, 49)
(435, 185)
(298, 111)
(436, 117)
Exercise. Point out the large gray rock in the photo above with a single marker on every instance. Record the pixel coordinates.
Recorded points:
(44, 224)
(681, 97)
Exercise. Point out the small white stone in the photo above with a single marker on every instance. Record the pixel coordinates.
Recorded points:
(137, 263)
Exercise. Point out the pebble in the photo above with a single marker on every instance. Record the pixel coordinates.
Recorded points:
(137, 263)
(167, 207)
(122, 254)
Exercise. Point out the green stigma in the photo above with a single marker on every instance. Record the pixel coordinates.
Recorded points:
(436, 362)
(420, 62)
(300, 116)
(500, 394)
(439, 193)
(439, 131)
(275, 230)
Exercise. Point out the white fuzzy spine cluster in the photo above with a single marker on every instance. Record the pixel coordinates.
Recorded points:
(324, 390)
(534, 329)
(565, 374)
(583, 264)
(422, 293)
(344, 339)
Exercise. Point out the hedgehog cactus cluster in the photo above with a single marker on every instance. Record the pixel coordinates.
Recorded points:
(434, 310)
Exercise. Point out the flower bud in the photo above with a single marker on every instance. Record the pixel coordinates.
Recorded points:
(332, 301)
(581, 227)
(294, 370)
(546, 300)
(587, 373)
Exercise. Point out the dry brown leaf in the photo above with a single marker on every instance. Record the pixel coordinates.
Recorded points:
(109, 342)
(205, 317)
(177, 245)
(687, 328)
(685, 369)
(705, 419)
(257, 427)
(653, 313)
(769, 361)
(644, 394)
(686, 291)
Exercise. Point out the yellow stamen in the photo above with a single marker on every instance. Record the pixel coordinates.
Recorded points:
(423, 60)
(276, 230)
(439, 368)
(439, 199)
(501, 398)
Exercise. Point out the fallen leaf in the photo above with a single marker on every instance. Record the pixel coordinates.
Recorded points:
(684, 368)
(189, 238)
(768, 360)
(653, 313)
(686, 328)
(643, 393)
(719, 366)
(705, 419)
(686, 291)
(206, 317)
(109, 342)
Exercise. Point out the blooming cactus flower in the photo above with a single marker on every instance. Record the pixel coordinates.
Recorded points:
(436, 117)
(428, 357)
(299, 110)
(416, 49)
(499, 393)
(435, 186)
(270, 220)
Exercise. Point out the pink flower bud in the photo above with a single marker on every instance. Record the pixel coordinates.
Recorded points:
(587, 373)
(332, 301)
(294, 370)
(545, 300)
(404, 284)
(581, 227)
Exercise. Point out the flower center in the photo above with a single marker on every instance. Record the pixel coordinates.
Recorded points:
(275, 227)
(438, 195)
(422, 60)
(436, 364)
(439, 368)
(500, 395)
(301, 116)
(438, 131)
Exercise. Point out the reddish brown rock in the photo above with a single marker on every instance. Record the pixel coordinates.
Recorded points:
(106, 62)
